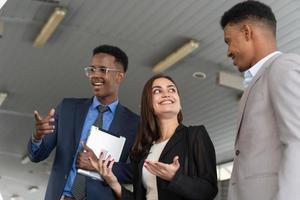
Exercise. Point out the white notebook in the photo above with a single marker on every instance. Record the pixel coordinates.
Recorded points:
(98, 141)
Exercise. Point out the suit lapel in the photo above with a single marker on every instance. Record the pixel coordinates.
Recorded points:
(116, 123)
(80, 115)
(244, 98)
(177, 137)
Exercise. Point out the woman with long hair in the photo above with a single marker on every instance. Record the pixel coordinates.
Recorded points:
(169, 160)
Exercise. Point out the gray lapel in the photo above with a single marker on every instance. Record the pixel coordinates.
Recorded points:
(244, 98)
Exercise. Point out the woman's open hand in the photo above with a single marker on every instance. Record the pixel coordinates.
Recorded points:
(163, 170)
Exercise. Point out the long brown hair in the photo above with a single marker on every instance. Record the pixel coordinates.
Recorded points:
(149, 130)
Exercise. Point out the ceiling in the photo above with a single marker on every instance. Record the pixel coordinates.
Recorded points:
(38, 78)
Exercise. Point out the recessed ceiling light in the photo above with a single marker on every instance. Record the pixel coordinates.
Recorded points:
(25, 159)
(199, 75)
(14, 197)
(33, 188)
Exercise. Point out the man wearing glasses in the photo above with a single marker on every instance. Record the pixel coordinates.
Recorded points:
(68, 125)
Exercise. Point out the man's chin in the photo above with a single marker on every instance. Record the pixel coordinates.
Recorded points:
(98, 92)
(241, 68)
(237, 66)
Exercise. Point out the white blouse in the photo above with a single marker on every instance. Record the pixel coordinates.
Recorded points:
(149, 180)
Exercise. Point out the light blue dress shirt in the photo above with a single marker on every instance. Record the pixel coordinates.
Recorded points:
(251, 72)
(89, 121)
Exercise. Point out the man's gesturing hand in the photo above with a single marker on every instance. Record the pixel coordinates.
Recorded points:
(43, 126)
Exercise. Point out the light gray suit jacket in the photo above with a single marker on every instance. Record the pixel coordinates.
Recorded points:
(267, 147)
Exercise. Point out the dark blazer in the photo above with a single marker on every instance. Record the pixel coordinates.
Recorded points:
(69, 119)
(196, 177)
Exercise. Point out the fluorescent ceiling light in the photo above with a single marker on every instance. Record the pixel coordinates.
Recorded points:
(2, 2)
(176, 56)
(231, 80)
(52, 23)
(3, 96)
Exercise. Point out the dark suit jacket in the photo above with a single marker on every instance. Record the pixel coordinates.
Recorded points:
(195, 180)
(69, 119)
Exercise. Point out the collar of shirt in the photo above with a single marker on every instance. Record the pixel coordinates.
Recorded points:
(251, 72)
(112, 107)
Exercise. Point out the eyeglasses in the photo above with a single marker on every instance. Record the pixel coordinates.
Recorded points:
(91, 70)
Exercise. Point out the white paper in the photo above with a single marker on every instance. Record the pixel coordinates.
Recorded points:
(98, 141)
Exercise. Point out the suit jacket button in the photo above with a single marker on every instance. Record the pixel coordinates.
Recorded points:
(237, 152)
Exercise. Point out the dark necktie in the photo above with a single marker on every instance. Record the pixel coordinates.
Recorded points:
(79, 184)
(99, 121)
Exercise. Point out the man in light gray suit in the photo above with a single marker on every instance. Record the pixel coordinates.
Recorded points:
(267, 147)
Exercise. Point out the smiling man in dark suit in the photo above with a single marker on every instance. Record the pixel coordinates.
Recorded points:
(70, 123)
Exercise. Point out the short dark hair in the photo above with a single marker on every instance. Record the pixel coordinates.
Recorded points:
(118, 53)
(253, 10)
